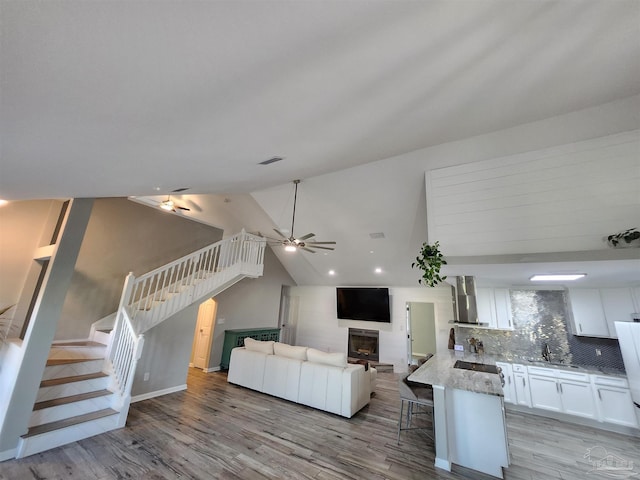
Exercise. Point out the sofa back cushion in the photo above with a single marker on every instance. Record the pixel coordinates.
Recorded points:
(259, 346)
(335, 359)
(290, 351)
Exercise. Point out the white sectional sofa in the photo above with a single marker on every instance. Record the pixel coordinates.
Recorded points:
(303, 375)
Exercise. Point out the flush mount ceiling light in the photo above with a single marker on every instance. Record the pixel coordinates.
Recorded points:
(561, 277)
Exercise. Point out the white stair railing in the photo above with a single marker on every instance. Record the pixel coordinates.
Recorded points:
(157, 295)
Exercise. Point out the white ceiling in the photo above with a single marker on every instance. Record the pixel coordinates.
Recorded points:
(139, 98)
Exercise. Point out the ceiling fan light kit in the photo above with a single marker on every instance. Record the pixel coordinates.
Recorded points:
(170, 206)
(291, 243)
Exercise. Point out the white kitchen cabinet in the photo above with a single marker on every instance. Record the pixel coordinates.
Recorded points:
(576, 394)
(509, 387)
(636, 299)
(494, 308)
(545, 392)
(588, 313)
(503, 308)
(614, 401)
(521, 381)
(562, 391)
(618, 306)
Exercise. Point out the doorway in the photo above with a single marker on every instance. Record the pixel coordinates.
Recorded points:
(421, 331)
(203, 335)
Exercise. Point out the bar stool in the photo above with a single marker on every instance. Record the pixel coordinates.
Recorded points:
(419, 397)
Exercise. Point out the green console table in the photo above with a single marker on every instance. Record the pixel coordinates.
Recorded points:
(235, 338)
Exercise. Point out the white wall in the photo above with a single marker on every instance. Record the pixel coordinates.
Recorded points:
(319, 327)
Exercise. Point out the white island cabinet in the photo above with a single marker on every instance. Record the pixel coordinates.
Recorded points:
(463, 436)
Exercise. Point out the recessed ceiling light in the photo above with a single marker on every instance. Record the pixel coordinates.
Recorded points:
(378, 270)
(332, 272)
(370, 251)
(3, 202)
(557, 277)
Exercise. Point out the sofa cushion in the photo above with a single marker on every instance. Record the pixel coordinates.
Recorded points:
(259, 346)
(290, 351)
(335, 359)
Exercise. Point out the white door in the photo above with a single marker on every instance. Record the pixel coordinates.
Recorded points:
(288, 317)
(421, 323)
(203, 335)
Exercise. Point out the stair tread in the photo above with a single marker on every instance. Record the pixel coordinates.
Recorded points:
(65, 361)
(70, 399)
(68, 422)
(74, 378)
(79, 343)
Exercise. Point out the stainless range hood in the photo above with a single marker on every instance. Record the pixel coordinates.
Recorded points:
(466, 301)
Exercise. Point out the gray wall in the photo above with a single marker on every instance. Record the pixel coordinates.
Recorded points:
(250, 303)
(123, 236)
(166, 353)
(21, 229)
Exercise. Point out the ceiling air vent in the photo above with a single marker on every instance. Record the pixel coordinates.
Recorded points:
(376, 235)
(271, 160)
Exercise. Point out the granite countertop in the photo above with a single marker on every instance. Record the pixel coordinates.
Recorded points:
(438, 370)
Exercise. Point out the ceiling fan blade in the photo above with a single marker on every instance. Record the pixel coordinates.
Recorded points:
(280, 233)
(323, 248)
(308, 235)
(321, 243)
(306, 249)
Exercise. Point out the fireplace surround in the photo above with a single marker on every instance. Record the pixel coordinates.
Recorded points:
(363, 344)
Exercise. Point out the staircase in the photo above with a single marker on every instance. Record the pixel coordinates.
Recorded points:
(86, 386)
(73, 401)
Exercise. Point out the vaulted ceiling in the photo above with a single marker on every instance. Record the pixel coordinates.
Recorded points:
(140, 98)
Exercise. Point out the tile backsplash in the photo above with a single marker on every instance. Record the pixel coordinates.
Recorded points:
(540, 317)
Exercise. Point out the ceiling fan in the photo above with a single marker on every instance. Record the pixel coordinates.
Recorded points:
(170, 205)
(293, 243)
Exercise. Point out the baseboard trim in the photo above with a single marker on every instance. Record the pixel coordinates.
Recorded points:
(212, 369)
(158, 393)
(587, 422)
(8, 454)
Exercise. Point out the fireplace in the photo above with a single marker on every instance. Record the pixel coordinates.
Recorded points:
(363, 344)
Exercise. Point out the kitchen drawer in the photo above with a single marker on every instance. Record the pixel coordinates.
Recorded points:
(610, 381)
(545, 372)
(519, 368)
(575, 376)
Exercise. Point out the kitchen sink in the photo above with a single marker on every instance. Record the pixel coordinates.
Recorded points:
(477, 367)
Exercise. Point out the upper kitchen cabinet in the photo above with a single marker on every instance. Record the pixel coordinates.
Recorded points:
(618, 306)
(494, 308)
(595, 309)
(588, 313)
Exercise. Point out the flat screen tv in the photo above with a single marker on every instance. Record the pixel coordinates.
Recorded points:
(368, 304)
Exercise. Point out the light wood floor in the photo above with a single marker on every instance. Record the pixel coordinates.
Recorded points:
(215, 430)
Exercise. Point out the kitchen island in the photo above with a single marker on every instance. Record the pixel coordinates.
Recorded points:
(469, 421)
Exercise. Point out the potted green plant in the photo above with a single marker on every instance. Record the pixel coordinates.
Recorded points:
(430, 260)
(628, 238)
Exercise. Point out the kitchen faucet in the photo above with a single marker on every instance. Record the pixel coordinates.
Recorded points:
(546, 353)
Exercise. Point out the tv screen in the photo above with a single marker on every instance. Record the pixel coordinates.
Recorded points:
(368, 304)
